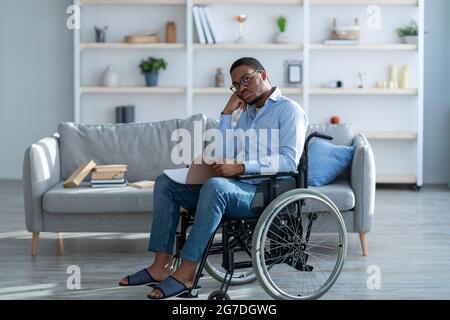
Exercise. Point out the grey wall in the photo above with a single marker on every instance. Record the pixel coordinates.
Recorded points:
(36, 86)
(437, 92)
(36, 73)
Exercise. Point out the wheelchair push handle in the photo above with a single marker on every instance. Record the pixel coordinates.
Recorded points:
(322, 136)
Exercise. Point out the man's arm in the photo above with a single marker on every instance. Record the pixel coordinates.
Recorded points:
(234, 103)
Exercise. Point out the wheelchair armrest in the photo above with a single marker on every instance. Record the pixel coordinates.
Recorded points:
(269, 185)
(266, 176)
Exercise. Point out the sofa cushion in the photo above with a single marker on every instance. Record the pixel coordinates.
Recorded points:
(327, 161)
(341, 193)
(85, 199)
(144, 147)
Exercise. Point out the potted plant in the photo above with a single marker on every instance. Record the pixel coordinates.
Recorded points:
(281, 36)
(150, 68)
(410, 33)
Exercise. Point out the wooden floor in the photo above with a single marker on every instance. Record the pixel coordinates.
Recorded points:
(410, 244)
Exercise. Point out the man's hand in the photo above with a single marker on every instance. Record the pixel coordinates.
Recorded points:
(234, 103)
(228, 170)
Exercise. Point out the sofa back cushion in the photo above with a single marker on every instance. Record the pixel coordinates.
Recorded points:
(144, 147)
(343, 133)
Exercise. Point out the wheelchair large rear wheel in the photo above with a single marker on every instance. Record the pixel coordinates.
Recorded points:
(299, 245)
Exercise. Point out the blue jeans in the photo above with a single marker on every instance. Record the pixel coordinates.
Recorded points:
(215, 198)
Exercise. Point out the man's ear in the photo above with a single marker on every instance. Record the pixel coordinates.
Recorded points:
(264, 75)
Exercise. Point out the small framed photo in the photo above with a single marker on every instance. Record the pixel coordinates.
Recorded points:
(294, 73)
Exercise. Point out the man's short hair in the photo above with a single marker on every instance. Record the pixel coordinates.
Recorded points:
(247, 61)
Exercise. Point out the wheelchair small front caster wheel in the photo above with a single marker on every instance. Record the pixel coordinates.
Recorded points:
(219, 295)
(417, 188)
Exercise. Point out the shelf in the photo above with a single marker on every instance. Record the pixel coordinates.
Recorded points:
(248, 2)
(313, 2)
(397, 179)
(130, 46)
(251, 2)
(255, 46)
(390, 135)
(365, 47)
(251, 46)
(132, 2)
(214, 90)
(320, 91)
(148, 90)
(225, 90)
(366, 2)
(356, 91)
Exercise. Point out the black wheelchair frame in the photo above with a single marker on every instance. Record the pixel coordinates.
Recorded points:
(236, 232)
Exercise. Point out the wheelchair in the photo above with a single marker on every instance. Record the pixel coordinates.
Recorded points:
(295, 249)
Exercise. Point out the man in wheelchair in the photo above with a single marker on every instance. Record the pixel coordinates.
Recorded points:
(263, 107)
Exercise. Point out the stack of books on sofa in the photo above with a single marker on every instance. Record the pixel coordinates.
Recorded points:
(109, 176)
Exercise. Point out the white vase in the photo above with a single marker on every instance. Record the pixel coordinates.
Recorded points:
(410, 39)
(281, 37)
(110, 77)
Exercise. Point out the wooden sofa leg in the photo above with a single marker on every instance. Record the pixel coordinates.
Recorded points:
(362, 237)
(34, 244)
(61, 242)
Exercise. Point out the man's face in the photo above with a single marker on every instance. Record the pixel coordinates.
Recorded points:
(254, 88)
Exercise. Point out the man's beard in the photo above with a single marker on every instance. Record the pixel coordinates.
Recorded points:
(254, 101)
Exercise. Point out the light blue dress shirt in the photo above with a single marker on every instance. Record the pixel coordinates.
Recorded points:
(278, 112)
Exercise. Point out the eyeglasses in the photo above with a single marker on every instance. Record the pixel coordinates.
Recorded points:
(244, 80)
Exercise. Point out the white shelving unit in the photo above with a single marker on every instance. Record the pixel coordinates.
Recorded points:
(394, 143)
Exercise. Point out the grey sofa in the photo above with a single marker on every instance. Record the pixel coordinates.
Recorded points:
(146, 148)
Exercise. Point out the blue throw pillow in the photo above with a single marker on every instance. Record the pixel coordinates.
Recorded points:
(326, 161)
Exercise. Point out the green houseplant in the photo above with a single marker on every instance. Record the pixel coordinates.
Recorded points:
(282, 22)
(150, 68)
(281, 36)
(410, 33)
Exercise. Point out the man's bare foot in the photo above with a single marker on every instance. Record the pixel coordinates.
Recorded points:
(184, 274)
(188, 282)
(158, 273)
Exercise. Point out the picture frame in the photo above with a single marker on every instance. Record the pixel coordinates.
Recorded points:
(293, 73)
